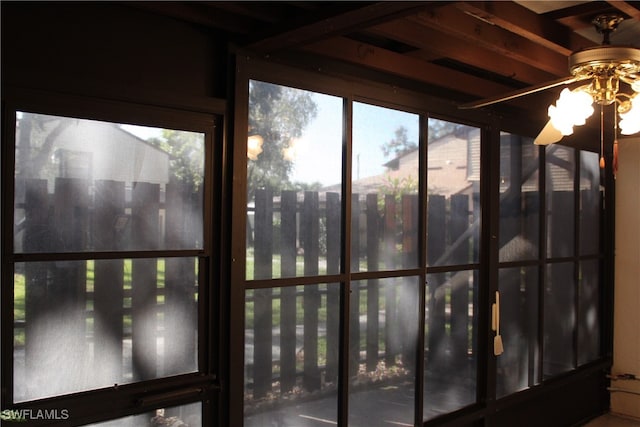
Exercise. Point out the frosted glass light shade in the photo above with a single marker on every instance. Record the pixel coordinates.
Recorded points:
(571, 109)
(630, 121)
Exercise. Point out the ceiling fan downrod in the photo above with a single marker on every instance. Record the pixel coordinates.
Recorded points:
(605, 65)
(607, 24)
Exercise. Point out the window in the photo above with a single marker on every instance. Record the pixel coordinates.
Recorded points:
(453, 248)
(376, 239)
(109, 255)
(518, 279)
(298, 216)
(293, 216)
(560, 276)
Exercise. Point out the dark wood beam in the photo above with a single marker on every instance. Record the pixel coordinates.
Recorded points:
(456, 23)
(260, 11)
(197, 13)
(528, 24)
(627, 7)
(394, 63)
(344, 23)
(434, 43)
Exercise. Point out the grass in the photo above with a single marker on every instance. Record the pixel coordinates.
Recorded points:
(19, 299)
(18, 307)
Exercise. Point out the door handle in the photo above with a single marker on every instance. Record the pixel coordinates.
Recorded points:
(498, 347)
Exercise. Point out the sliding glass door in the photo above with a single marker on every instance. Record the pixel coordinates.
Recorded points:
(389, 274)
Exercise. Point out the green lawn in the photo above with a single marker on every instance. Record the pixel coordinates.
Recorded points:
(19, 295)
(18, 306)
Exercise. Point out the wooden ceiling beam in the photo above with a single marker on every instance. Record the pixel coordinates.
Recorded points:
(258, 11)
(433, 43)
(197, 13)
(369, 56)
(626, 7)
(369, 14)
(455, 23)
(528, 24)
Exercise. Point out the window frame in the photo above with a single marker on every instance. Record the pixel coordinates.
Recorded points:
(201, 385)
(351, 91)
(341, 82)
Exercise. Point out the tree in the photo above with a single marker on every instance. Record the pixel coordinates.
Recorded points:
(442, 128)
(400, 144)
(279, 115)
(186, 156)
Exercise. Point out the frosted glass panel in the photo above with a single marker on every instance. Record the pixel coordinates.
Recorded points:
(560, 195)
(517, 367)
(384, 185)
(179, 416)
(383, 341)
(85, 185)
(451, 342)
(82, 325)
(559, 319)
(519, 198)
(294, 182)
(590, 196)
(291, 356)
(453, 201)
(589, 309)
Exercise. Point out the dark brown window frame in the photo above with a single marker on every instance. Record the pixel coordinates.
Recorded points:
(287, 73)
(103, 404)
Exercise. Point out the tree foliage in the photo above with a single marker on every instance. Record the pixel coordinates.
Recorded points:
(278, 114)
(400, 144)
(186, 155)
(441, 128)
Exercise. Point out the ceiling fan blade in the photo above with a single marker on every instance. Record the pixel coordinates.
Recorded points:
(520, 92)
(548, 135)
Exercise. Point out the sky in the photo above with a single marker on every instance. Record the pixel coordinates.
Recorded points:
(143, 132)
(319, 150)
(319, 160)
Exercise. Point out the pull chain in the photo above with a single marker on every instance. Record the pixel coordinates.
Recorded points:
(615, 141)
(602, 162)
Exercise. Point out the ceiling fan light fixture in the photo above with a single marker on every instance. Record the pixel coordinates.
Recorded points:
(572, 108)
(609, 71)
(630, 119)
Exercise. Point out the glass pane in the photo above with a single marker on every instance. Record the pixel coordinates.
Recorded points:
(518, 365)
(589, 203)
(453, 186)
(560, 164)
(451, 341)
(384, 185)
(178, 416)
(291, 355)
(86, 185)
(519, 198)
(383, 342)
(294, 173)
(559, 319)
(80, 325)
(589, 312)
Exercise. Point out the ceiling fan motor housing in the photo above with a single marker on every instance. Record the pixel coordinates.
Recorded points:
(605, 66)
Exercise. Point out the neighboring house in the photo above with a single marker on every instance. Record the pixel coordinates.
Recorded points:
(97, 150)
(59, 147)
(453, 167)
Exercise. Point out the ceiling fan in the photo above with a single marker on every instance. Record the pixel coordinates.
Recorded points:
(602, 69)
